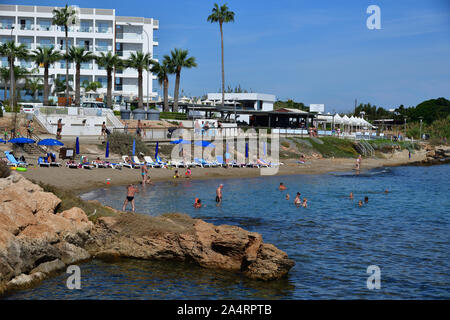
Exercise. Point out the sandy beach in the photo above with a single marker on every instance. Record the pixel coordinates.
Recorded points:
(81, 180)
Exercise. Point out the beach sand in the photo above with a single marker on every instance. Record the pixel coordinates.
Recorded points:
(80, 180)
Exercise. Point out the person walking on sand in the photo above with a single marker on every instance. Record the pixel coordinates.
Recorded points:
(358, 162)
(131, 191)
(219, 194)
(59, 129)
(103, 134)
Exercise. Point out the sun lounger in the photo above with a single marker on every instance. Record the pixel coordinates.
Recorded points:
(234, 164)
(12, 162)
(72, 165)
(149, 161)
(220, 162)
(137, 161)
(160, 162)
(42, 162)
(130, 165)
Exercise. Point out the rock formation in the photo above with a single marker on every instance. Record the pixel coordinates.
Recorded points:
(35, 241)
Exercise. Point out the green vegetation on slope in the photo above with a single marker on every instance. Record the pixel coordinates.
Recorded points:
(334, 147)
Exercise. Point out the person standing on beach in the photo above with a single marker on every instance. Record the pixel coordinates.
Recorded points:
(103, 134)
(219, 194)
(144, 172)
(59, 129)
(131, 191)
(358, 162)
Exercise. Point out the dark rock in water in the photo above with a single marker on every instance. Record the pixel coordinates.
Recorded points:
(182, 238)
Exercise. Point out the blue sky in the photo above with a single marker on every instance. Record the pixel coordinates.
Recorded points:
(310, 51)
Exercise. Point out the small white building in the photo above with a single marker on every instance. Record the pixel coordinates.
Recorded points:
(245, 101)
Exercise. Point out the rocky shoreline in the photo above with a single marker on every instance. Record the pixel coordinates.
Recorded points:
(36, 241)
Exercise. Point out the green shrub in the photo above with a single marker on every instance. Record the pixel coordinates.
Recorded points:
(117, 113)
(173, 115)
(1, 112)
(122, 144)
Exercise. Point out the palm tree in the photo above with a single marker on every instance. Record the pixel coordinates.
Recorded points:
(46, 57)
(63, 18)
(34, 85)
(221, 15)
(177, 60)
(79, 55)
(4, 75)
(91, 86)
(162, 73)
(140, 62)
(109, 61)
(60, 86)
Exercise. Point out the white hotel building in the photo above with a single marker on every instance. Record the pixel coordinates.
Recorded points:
(99, 30)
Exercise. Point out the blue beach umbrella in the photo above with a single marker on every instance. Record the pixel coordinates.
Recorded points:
(21, 140)
(107, 149)
(50, 142)
(77, 146)
(204, 143)
(134, 147)
(156, 150)
(2, 141)
(180, 141)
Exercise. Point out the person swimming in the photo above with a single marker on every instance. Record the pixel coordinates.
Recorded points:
(366, 199)
(282, 186)
(287, 196)
(305, 203)
(176, 175)
(188, 173)
(351, 195)
(197, 203)
(360, 203)
(297, 200)
(386, 191)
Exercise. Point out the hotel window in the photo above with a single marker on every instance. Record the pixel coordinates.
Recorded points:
(103, 27)
(118, 84)
(45, 25)
(6, 23)
(85, 26)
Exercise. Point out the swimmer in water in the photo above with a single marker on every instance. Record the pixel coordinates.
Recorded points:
(366, 199)
(198, 203)
(287, 196)
(297, 200)
(282, 186)
(360, 203)
(305, 203)
(386, 191)
(351, 195)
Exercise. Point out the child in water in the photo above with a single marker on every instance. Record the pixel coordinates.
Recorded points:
(360, 203)
(287, 196)
(297, 200)
(188, 173)
(305, 203)
(176, 175)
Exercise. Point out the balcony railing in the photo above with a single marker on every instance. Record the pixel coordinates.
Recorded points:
(46, 45)
(89, 48)
(103, 30)
(86, 66)
(85, 29)
(129, 36)
(103, 48)
(6, 26)
(43, 27)
(26, 27)
(62, 65)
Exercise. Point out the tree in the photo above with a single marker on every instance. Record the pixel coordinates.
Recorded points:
(221, 15)
(34, 85)
(177, 60)
(140, 62)
(91, 86)
(60, 86)
(79, 55)
(46, 57)
(63, 18)
(4, 75)
(161, 70)
(109, 61)
(11, 51)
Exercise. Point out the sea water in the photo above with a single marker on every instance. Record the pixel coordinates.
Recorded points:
(405, 233)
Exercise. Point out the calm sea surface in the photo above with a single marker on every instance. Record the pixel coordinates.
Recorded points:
(333, 241)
